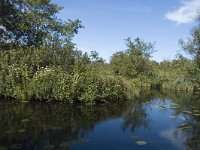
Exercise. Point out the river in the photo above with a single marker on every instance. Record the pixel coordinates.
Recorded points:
(155, 121)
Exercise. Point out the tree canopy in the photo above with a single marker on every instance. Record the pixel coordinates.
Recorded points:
(140, 48)
(135, 60)
(33, 23)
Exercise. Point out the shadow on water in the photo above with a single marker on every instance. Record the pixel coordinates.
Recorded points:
(146, 120)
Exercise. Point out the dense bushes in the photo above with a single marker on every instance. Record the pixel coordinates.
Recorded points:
(35, 76)
(68, 75)
(175, 74)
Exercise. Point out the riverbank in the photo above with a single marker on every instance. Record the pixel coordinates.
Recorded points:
(31, 74)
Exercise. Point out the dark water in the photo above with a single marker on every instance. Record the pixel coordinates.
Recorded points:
(156, 121)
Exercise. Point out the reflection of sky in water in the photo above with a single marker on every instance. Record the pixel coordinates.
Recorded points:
(175, 137)
(163, 126)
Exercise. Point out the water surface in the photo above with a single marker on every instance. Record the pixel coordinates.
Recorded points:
(155, 121)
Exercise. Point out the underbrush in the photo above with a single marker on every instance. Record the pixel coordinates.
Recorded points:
(84, 83)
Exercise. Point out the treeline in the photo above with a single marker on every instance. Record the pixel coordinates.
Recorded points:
(39, 61)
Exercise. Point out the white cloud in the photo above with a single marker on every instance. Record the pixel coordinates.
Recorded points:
(186, 13)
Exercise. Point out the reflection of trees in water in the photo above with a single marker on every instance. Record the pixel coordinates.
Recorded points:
(61, 125)
(39, 125)
(135, 117)
(193, 135)
(187, 102)
(192, 132)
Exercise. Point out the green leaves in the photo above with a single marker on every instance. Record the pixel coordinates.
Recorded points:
(39, 76)
(134, 63)
(30, 23)
(140, 48)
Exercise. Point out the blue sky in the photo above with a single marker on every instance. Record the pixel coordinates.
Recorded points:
(108, 22)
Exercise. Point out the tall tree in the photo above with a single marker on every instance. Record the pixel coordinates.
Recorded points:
(33, 23)
(140, 48)
(192, 45)
(135, 60)
(140, 52)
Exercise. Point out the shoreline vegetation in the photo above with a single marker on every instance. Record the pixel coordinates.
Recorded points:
(39, 61)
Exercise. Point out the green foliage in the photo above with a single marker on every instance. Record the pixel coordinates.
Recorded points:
(139, 48)
(175, 75)
(194, 74)
(30, 23)
(192, 47)
(122, 65)
(38, 75)
(134, 63)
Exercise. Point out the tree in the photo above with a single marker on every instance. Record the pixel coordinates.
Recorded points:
(33, 23)
(123, 65)
(94, 56)
(134, 61)
(140, 52)
(140, 48)
(192, 45)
